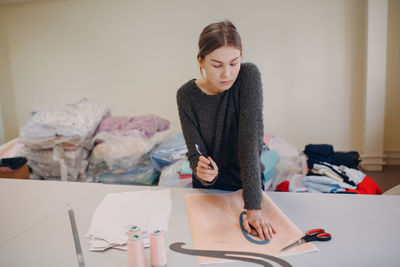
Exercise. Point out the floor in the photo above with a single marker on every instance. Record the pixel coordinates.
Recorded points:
(388, 178)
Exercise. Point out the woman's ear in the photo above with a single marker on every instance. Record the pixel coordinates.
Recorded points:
(201, 62)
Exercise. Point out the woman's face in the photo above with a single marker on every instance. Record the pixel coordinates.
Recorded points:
(221, 68)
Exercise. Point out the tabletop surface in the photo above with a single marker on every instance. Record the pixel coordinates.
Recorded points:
(36, 231)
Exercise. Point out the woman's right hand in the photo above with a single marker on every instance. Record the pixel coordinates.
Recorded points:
(204, 171)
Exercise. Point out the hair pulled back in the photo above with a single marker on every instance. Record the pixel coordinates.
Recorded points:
(217, 35)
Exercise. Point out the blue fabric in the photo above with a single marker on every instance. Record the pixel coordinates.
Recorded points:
(269, 159)
(170, 151)
(350, 159)
(318, 153)
(140, 175)
(326, 153)
(185, 167)
(324, 184)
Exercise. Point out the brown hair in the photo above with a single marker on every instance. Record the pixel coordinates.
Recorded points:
(216, 35)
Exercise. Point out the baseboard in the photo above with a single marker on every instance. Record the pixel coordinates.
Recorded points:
(372, 162)
(392, 157)
(372, 168)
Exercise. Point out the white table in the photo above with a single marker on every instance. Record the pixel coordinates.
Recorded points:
(35, 228)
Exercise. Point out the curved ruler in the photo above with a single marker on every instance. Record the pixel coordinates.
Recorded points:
(177, 247)
(248, 235)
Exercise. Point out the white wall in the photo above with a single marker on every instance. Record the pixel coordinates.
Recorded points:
(2, 138)
(375, 81)
(392, 107)
(7, 100)
(134, 55)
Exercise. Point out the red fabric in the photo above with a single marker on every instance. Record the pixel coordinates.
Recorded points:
(184, 176)
(367, 186)
(283, 187)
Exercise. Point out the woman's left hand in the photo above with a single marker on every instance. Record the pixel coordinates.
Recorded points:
(256, 219)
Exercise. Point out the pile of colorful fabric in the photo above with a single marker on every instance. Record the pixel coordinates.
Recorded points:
(330, 172)
(57, 140)
(122, 149)
(81, 141)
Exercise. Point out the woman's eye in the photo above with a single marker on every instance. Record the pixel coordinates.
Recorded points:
(234, 64)
(219, 66)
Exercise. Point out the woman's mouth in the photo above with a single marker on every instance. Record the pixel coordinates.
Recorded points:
(226, 82)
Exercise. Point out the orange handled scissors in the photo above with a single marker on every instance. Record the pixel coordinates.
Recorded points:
(312, 235)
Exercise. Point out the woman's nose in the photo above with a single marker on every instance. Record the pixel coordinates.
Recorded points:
(226, 72)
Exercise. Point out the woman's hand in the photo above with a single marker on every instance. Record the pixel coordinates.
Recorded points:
(256, 219)
(204, 171)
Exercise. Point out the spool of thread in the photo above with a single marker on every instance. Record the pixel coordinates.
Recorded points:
(136, 252)
(158, 256)
(135, 230)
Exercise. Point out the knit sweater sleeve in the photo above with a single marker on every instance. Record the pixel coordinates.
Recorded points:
(190, 130)
(250, 134)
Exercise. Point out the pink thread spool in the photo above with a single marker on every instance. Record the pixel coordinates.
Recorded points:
(136, 252)
(158, 257)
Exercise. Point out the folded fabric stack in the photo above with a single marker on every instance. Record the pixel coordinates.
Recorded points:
(325, 153)
(326, 177)
(122, 149)
(57, 140)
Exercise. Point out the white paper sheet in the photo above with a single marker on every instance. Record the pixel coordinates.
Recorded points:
(150, 210)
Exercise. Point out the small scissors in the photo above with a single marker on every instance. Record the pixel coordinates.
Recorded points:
(312, 235)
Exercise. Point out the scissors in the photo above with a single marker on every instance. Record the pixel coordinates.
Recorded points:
(312, 235)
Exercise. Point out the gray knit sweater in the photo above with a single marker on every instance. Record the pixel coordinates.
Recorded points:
(228, 127)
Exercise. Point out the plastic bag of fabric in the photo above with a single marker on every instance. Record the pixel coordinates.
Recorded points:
(291, 161)
(137, 175)
(170, 151)
(170, 176)
(67, 125)
(56, 163)
(143, 173)
(123, 152)
(184, 169)
(144, 126)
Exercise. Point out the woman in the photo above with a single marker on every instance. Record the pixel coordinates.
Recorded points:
(222, 113)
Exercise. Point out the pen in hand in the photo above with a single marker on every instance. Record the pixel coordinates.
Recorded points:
(201, 154)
